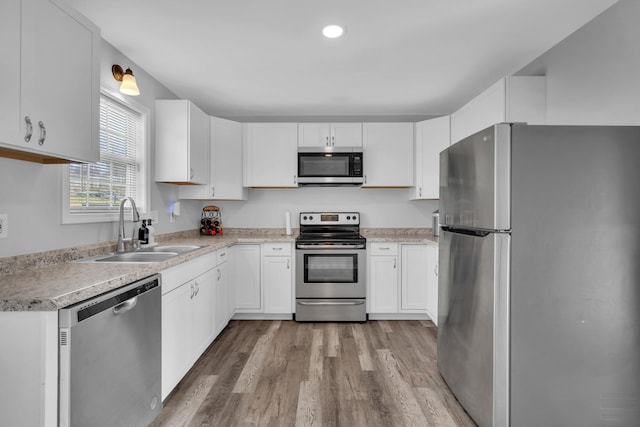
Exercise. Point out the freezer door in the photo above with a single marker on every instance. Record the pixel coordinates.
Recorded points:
(473, 327)
(475, 181)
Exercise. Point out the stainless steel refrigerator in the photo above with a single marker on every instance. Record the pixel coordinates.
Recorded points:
(539, 285)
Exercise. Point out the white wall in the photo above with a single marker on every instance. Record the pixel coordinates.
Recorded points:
(31, 193)
(379, 207)
(593, 76)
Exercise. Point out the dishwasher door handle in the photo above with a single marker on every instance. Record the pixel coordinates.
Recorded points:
(125, 306)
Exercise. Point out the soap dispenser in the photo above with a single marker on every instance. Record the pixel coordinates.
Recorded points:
(143, 233)
(151, 238)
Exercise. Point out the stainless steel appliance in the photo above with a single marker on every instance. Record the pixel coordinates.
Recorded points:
(109, 350)
(330, 268)
(539, 284)
(330, 166)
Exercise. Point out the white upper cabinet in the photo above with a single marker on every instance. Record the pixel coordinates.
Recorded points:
(511, 99)
(49, 108)
(182, 143)
(388, 154)
(432, 136)
(330, 135)
(271, 155)
(225, 165)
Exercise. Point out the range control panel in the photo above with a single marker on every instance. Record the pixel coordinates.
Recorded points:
(329, 218)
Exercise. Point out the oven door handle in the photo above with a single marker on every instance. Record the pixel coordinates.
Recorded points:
(360, 302)
(311, 246)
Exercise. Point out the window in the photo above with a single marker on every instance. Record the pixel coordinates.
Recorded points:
(95, 190)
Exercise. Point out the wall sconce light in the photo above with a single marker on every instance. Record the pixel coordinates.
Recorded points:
(129, 85)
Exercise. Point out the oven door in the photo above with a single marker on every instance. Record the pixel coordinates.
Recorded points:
(330, 273)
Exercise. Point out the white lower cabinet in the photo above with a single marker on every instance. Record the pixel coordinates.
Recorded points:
(188, 313)
(277, 278)
(29, 368)
(414, 278)
(383, 278)
(402, 281)
(432, 282)
(176, 337)
(223, 309)
(245, 276)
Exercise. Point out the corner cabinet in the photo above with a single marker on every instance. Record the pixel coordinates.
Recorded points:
(48, 114)
(402, 282)
(388, 154)
(511, 99)
(330, 135)
(225, 165)
(182, 143)
(245, 275)
(432, 136)
(270, 151)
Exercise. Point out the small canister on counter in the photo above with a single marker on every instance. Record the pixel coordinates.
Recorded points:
(211, 221)
(435, 222)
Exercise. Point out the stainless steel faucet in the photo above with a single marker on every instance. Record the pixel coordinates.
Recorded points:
(135, 218)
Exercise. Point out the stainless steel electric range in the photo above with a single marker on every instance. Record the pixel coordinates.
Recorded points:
(330, 268)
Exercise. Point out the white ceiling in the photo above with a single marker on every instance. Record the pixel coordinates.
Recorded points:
(260, 58)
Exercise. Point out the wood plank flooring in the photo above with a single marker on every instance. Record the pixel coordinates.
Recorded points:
(284, 373)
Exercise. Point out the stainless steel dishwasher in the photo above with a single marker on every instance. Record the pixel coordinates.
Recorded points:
(110, 363)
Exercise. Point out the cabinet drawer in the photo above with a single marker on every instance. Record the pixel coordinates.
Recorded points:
(176, 276)
(222, 255)
(378, 248)
(275, 249)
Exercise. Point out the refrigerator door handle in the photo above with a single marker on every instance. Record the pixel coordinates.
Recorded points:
(477, 233)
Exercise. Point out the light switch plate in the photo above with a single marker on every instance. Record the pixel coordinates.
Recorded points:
(4, 226)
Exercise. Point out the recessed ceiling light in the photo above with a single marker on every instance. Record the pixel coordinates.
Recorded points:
(332, 31)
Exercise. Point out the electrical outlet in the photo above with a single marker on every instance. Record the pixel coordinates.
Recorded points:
(4, 226)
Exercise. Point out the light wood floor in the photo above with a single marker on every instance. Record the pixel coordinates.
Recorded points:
(284, 373)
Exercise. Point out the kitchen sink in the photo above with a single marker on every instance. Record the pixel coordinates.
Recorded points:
(137, 257)
(153, 254)
(181, 249)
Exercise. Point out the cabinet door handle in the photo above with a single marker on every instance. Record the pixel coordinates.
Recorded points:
(295, 179)
(435, 270)
(276, 249)
(191, 173)
(365, 179)
(327, 143)
(333, 140)
(27, 135)
(394, 263)
(219, 274)
(420, 192)
(192, 291)
(288, 265)
(213, 191)
(385, 249)
(43, 133)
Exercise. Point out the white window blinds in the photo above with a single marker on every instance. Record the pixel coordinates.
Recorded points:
(100, 187)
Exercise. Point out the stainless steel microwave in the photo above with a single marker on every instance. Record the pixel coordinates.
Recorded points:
(330, 166)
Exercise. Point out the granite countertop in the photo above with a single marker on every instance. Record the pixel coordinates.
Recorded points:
(48, 281)
(405, 235)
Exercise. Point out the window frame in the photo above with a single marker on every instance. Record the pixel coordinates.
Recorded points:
(143, 198)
